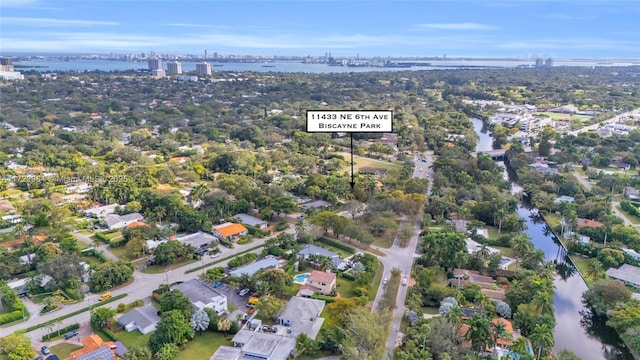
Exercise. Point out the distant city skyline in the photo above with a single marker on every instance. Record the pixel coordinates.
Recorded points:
(457, 28)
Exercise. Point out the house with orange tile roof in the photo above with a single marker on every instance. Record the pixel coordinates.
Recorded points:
(508, 327)
(230, 231)
(582, 223)
(136, 224)
(95, 349)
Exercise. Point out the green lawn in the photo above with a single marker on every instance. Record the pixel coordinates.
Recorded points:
(375, 284)
(582, 265)
(430, 310)
(553, 220)
(133, 338)
(343, 254)
(64, 349)
(158, 269)
(360, 162)
(292, 290)
(120, 252)
(505, 251)
(556, 116)
(345, 287)
(203, 346)
(634, 219)
(493, 233)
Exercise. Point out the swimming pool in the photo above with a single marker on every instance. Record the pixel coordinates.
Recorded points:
(504, 261)
(300, 278)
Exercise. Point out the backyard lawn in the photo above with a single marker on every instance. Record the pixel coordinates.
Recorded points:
(64, 349)
(345, 287)
(133, 338)
(505, 251)
(582, 263)
(203, 346)
(360, 162)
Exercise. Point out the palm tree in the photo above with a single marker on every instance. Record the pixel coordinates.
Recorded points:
(499, 332)
(521, 245)
(594, 269)
(520, 345)
(455, 316)
(479, 332)
(541, 338)
(301, 229)
(198, 192)
(543, 303)
(534, 259)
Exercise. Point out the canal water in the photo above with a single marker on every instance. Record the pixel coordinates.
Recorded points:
(577, 329)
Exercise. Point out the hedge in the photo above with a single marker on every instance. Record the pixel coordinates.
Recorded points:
(630, 208)
(337, 244)
(226, 243)
(92, 252)
(10, 317)
(327, 299)
(102, 237)
(281, 226)
(61, 332)
(242, 259)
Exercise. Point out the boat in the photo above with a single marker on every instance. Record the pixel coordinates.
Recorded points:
(268, 66)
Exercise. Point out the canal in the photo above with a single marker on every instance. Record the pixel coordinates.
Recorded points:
(577, 329)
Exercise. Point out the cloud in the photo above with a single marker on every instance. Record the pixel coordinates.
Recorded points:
(572, 44)
(458, 26)
(51, 22)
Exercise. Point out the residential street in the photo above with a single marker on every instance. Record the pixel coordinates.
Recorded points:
(614, 204)
(140, 288)
(608, 121)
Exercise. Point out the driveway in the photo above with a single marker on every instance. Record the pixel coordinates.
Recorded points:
(236, 300)
(614, 204)
(103, 248)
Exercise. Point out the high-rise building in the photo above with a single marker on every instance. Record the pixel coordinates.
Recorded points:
(539, 62)
(548, 62)
(174, 67)
(6, 64)
(155, 64)
(203, 68)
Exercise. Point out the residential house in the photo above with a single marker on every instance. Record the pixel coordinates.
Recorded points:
(302, 316)
(6, 206)
(113, 221)
(95, 348)
(323, 282)
(628, 274)
(589, 223)
(230, 231)
(620, 165)
(100, 211)
(256, 345)
(634, 254)
(251, 221)
(311, 249)
(631, 193)
(269, 262)
(144, 319)
(199, 239)
(317, 204)
(460, 225)
(203, 295)
(462, 277)
(564, 198)
(78, 188)
(12, 219)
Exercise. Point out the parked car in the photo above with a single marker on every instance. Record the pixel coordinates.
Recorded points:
(70, 334)
(215, 255)
(269, 329)
(105, 296)
(217, 285)
(243, 292)
(45, 350)
(404, 282)
(384, 282)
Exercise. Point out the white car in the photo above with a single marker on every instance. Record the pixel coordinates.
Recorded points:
(404, 282)
(384, 282)
(215, 255)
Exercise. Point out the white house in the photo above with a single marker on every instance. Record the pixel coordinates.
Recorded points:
(203, 295)
(99, 211)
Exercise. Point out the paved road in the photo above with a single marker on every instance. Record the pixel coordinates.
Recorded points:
(140, 288)
(614, 204)
(617, 118)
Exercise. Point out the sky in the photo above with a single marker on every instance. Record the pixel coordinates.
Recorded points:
(480, 28)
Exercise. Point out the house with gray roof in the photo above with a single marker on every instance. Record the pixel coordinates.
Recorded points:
(302, 316)
(256, 345)
(144, 319)
(97, 212)
(251, 221)
(269, 262)
(311, 249)
(114, 221)
(203, 295)
(628, 274)
(316, 204)
(198, 239)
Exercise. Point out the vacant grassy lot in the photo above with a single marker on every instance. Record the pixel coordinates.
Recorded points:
(582, 264)
(203, 346)
(634, 219)
(360, 162)
(157, 269)
(556, 116)
(64, 349)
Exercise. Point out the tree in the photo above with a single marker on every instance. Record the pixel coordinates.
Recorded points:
(268, 307)
(175, 300)
(69, 245)
(543, 303)
(101, 316)
(16, 346)
(479, 332)
(339, 309)
(306, 345)
(213, 319)
(503, 309)
(365, 334)
(173, 328)
(199, 320)
(565, 354)
(594, 269)
(279, 281)
(626, 317)
(167, 352)
(110, 274)
(47, 251)
(542, 338)
(137, 353)
(605, 295)
(224, 325)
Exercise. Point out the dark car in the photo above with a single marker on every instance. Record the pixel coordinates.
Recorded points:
(45, 350)
(70, 334)
(270, 329)
(218, 284)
